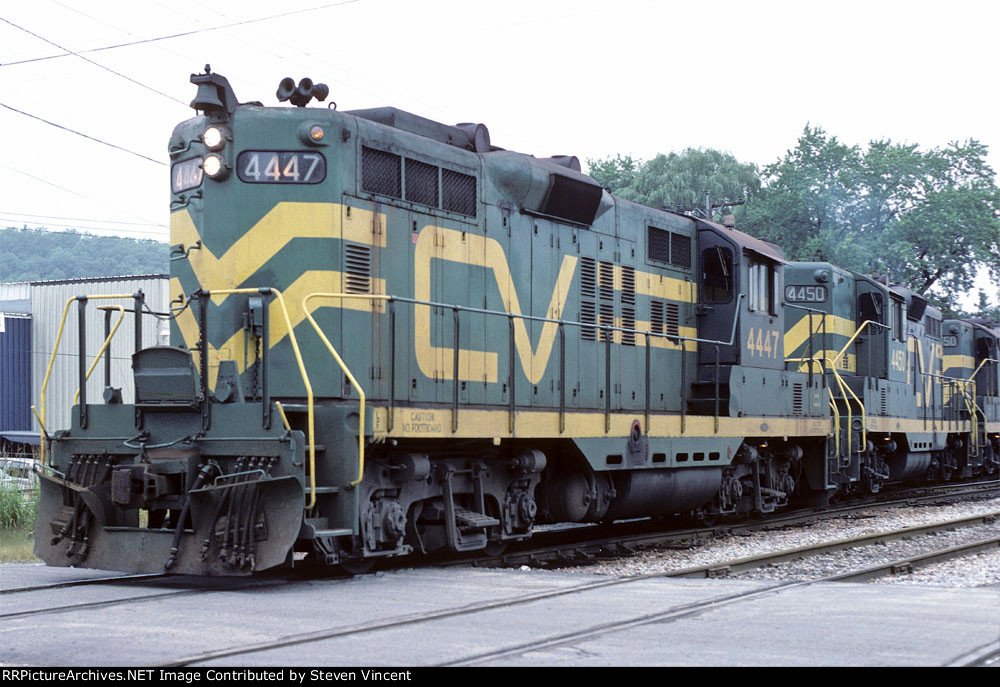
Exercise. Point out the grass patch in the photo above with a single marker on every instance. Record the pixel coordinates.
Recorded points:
(17, 508)
(16, 545)
(17, 525)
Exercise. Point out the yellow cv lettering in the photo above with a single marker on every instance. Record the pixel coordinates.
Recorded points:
(479, 251)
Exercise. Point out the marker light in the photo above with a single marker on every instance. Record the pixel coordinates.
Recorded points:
(212, 165)
(213, 137)
(316, 133)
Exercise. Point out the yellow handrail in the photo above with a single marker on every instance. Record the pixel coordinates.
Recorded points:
(971, 379)
(55, 349)
(831, 363)
(302, 371)
(107, 342)
(281, 412)
(344, 369)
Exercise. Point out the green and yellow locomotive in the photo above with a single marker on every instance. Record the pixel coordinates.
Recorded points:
(390, 336)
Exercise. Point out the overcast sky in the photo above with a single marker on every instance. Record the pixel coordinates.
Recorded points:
(590, 79)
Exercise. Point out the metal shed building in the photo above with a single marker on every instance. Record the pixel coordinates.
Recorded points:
(48, 299)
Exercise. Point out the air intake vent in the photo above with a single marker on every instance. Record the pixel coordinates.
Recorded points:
(459, 192)
(588, 293)
(664, 318)
(656, 317)
(798, 399)
(672, 318)
(421, 183)
(607, 281)
(628, 304)
(357, 268)
(607, 319)
(628, 322)
(680, 250)
(658, 249)
(380, 172)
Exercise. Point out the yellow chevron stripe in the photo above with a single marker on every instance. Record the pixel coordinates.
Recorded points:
(960, 361)
(313, 281)
(284, 222)
(798, 334)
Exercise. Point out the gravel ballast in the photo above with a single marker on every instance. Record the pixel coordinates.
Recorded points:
(973, 570)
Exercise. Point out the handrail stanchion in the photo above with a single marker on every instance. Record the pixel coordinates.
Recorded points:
(105, 349)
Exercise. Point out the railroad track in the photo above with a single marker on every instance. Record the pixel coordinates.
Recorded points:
(666, 615)
(205, 586)
(113, 579)
(583, 545)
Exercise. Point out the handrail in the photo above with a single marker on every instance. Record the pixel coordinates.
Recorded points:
(104, 347)
(843, 387)
(302, 370)
(52, 358)
(345, 369)
(281, 412)
(858, 332)
(456, 308)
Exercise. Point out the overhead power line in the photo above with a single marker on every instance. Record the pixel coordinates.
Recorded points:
(79, 195)
(81, 219)
(82, 229)
(96, 64)
(78, 133)
(168, 37)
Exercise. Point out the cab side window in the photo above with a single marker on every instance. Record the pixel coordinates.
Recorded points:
(717, 274)
(761, 288)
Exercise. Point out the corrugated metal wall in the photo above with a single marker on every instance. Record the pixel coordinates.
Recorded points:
(15, 297)
(15, 371)
(47, 302)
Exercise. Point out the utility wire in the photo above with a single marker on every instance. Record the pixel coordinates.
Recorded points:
(79, 195)
(73, 131)
(96, 64)
(81, 219)
(163, 38)
(43, 226)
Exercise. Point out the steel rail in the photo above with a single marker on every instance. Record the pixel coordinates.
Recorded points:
(390, 623)
(811, 550)
(84, 582)
(581, 548)
(223, 586)
(984, 655)
(910, 563)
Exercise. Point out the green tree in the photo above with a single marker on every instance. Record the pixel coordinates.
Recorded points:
(678, 179)
(35, 254)
(927, 218)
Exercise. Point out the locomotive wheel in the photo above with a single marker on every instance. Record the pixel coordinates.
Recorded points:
(356, 566)
(495, 547)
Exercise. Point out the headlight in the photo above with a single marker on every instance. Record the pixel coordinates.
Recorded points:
(212, 165)
(213, 137)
